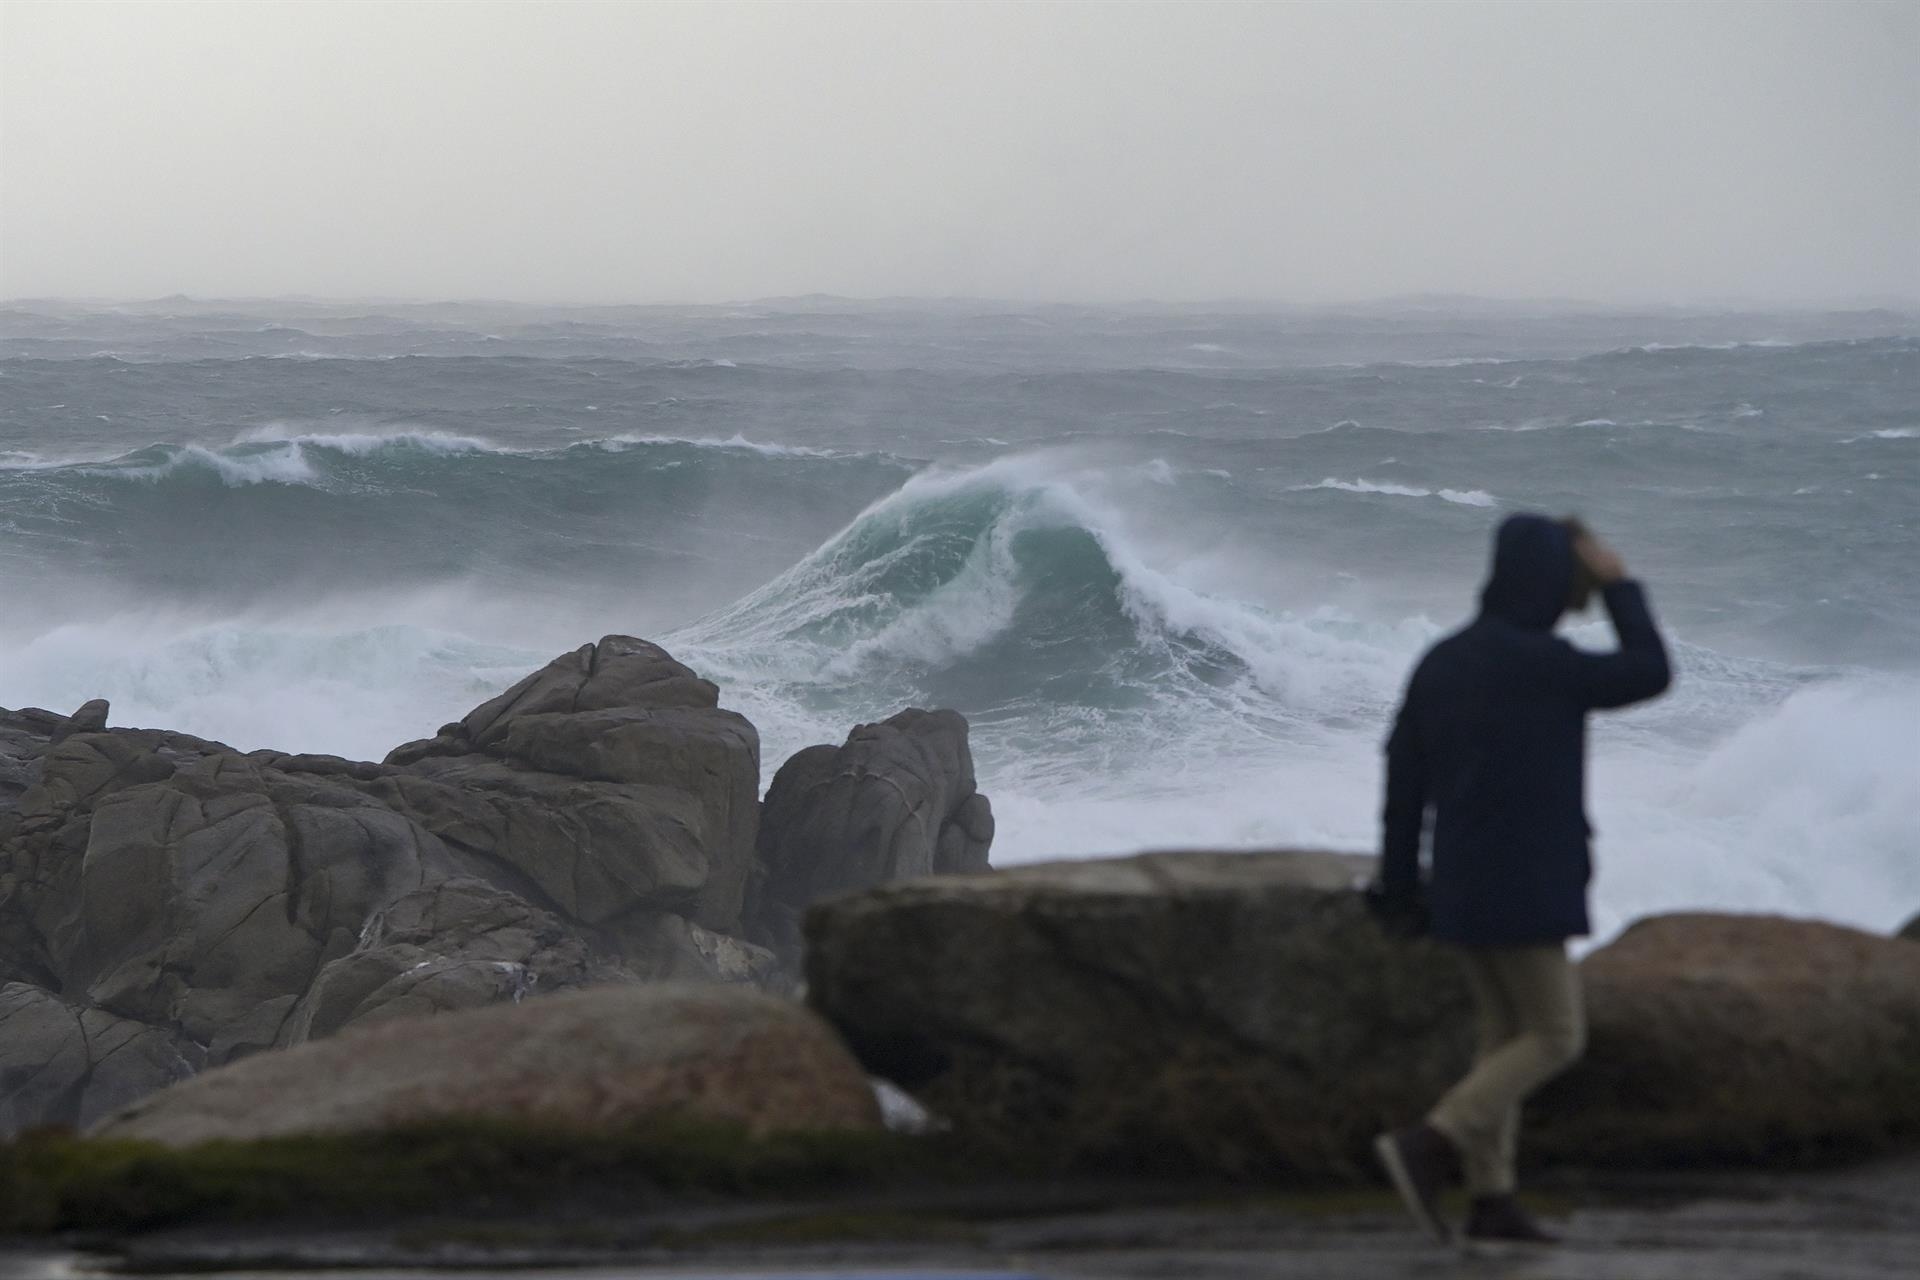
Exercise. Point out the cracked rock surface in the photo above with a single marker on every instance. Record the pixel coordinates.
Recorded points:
(895, 802)
(169, 904)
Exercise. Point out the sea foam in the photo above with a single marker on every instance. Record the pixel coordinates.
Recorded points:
(1463, 497)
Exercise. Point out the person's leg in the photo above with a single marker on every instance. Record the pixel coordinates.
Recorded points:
(1496, 1022)
(1421, 1160)
(1480, 1114)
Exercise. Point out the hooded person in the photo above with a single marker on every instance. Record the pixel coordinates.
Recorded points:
(1490, 742)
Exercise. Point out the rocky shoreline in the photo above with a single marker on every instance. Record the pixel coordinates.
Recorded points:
(562, 951)
(170, 905)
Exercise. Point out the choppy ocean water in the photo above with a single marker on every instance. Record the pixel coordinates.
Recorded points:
(1174, 565)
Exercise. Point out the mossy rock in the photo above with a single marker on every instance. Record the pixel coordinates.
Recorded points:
(52, 1180)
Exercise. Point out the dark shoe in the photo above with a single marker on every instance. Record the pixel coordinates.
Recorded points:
(1500, 1220)
(1421, 1161)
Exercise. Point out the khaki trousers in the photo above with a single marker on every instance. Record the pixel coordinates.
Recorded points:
(1531, 1026)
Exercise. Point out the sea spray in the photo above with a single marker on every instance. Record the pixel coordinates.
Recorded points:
(1175, 569)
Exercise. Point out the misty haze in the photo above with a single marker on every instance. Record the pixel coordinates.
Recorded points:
(1143, 382)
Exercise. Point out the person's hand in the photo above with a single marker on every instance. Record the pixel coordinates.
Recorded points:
(1399, 915)
(1601, 561)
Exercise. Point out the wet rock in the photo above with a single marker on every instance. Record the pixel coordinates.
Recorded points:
(585, 1060)
(208, 901)
(595, 824)
(244, 902)
(84, 769)
(1749, 1040)
(1240, 1013)
(618, 672)
(1228, 1012)
(90, 718)
(590, 851)
(459, 943)
(609, 776)
(62, 1063)
(897, 801)
(24, 736)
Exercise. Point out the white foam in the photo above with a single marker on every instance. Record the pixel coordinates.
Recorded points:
(967, 611)
(1656, 348)
(1743, 790)
(243, 462)
(736, 441)
(1367, 486)
(285, 465)
(1463, 497)
(352, 690)
(1452, 362)
(360, 444)
(1805, 809)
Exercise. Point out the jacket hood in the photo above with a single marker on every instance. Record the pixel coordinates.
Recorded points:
(1532, 572)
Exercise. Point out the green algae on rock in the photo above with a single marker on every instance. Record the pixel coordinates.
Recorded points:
(52, 1180)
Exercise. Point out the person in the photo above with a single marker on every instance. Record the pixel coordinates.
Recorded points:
(1491, 740)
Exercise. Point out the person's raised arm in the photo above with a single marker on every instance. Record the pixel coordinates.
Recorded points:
(1638, 669)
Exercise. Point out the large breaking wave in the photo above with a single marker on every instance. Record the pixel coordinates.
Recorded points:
(1008, 584)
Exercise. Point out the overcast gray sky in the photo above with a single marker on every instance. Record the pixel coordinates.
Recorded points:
(697, 152)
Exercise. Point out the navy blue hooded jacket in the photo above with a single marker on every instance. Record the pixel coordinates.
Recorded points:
(1492, 740)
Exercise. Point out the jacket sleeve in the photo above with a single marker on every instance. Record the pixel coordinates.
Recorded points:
(1404, 816)
(1638, 669)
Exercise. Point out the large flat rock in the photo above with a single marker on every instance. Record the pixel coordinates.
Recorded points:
(1742, 1040)
(1232, 1011)
(583, 1060)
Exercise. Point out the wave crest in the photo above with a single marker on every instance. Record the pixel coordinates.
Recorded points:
(1460, 497)
(1008, 584)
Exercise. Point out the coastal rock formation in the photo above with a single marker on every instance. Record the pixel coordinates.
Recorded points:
(1910, 930)
(454, 944)
(610, 778)
(596, 823)
(1748, 1040)
(62, 1063)
(897, 801)
(1240, 1013)
(585, 1060)
(90, 718)
(1219, 1011)
(23, 737)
